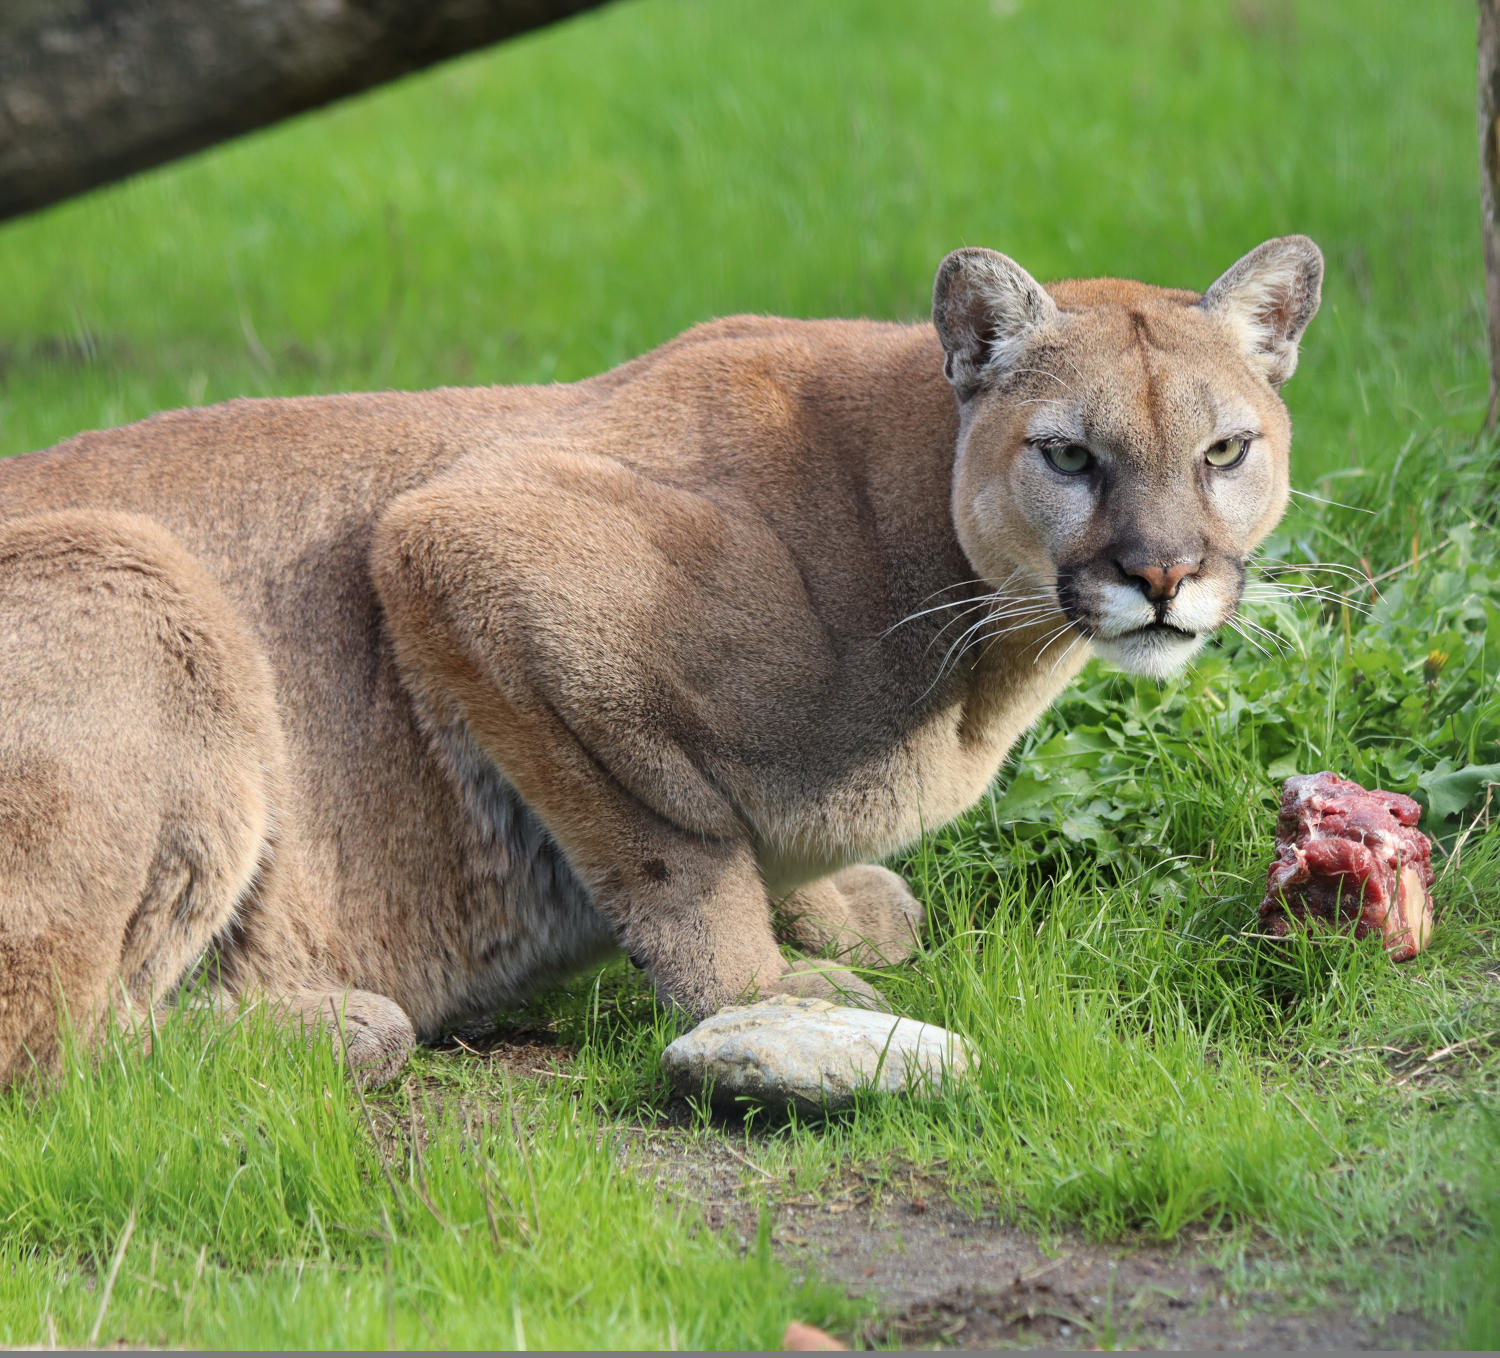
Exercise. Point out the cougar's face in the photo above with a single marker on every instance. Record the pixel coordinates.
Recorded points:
(1119, 457)
(1130, 476)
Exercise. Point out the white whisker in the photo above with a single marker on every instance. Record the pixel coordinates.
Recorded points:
(1312, 568)
(1066, 653)
(956, 603)
(984, 642)
(1053, 635)
(1077, 371)
(1265, 593)
(1323, 500)
(1245, 627)
(1234, 624)
(1004, 612)
(936, 608)
(1019, 610)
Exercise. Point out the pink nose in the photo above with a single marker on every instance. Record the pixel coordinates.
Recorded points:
(1160, 580)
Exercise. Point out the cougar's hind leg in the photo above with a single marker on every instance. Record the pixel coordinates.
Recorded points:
(138, 752)
(370, 1033)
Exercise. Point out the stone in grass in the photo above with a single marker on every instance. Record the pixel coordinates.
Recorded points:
(813, 1055)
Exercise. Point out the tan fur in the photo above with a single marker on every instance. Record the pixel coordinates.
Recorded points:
(398, 706)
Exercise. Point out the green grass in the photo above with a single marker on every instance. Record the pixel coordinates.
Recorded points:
(252, 1201)
(552, 208)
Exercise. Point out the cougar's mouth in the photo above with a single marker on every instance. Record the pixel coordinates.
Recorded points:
(1158, 628)
(1158, 650)
(1099, 631)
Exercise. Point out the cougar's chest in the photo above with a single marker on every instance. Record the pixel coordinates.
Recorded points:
(913, 773)
(870, 806)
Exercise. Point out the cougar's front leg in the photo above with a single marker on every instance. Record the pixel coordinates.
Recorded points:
(532, 612)
(865, 914)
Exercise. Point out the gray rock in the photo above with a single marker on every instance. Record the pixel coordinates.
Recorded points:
(813, 1054)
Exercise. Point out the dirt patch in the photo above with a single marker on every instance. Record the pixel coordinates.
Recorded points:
(526, 1052)
(947, 1278)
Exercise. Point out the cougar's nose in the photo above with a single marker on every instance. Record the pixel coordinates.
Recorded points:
(1159, 579)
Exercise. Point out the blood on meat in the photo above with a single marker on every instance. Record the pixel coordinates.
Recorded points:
(1345, 855)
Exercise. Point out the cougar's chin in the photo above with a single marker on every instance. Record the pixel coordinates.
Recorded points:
(1157, 651)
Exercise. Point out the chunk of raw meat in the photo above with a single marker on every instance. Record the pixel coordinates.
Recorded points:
(1345, 855)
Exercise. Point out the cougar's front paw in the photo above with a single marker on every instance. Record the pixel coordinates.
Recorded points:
(809, 978)
(885, 919)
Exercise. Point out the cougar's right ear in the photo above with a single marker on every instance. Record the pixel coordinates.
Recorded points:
(985, 307)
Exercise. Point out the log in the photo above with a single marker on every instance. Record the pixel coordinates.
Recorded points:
(94, 90)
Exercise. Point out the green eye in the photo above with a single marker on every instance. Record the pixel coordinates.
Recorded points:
(1227, 453)
(1068, 458)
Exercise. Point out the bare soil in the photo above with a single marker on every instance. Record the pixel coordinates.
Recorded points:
(942, 1277)
(945, 1278)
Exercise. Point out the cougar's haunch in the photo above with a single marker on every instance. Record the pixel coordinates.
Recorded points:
(393, 707)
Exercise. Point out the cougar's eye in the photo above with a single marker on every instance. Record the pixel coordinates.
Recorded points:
(1227, 453)
(1068, 458)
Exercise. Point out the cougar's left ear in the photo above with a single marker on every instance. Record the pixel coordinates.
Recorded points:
(985, 307)
(1268, 298)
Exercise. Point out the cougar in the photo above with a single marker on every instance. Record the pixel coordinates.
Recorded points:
(396, 707)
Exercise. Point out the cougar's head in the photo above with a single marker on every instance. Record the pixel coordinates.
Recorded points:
(1122, 447)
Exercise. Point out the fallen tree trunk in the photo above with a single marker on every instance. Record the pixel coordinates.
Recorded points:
(94, 90)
